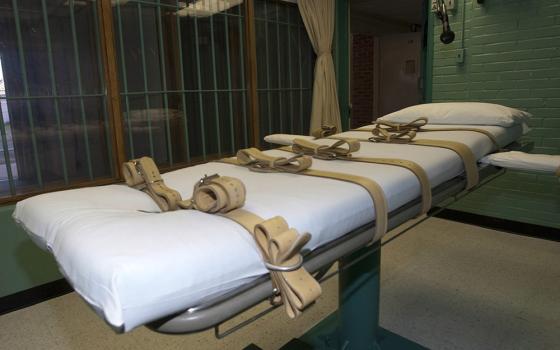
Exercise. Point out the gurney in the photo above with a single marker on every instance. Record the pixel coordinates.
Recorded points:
(186, 271)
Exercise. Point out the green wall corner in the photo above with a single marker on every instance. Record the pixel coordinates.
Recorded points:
(24, 265)
(512, 57)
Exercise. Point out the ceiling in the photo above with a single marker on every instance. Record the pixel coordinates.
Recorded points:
(405, 11)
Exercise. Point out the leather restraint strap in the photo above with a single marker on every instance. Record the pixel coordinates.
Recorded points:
(325, 131)
(467, 156)
(258, 160)
(144, 175)
(280, 245)
(261, 162)
(395, 131)
(343, 149)
(463, 151)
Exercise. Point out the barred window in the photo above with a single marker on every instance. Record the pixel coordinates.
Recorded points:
(54, 121)
(85, 84)
(285, 60)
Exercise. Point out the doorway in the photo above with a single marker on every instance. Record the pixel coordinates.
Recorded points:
(387, 55)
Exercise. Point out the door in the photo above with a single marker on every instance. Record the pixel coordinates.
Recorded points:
(400, 71)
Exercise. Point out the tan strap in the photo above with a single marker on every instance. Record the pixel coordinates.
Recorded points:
(218, 194)
(384, 131)
(467, 156)
(325, 131)
(487, 133)
(375, 191)
(335, 151)
(280, 246)
(143, 174)
(261, 162)
(463, 151)
(340, 149)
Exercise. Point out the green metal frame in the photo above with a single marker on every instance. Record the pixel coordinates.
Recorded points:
(429, 56)
(342, 61)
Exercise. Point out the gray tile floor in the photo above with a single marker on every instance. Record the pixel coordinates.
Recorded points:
(445, 285)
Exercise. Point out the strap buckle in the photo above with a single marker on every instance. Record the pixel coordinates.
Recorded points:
(297, 265)
(207, 179)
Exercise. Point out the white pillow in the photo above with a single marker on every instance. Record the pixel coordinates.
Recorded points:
(465, 113)
(524, 161)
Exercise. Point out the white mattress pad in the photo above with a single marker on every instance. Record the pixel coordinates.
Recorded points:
(133, 267)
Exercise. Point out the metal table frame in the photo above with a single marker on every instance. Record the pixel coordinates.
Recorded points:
(345, 250)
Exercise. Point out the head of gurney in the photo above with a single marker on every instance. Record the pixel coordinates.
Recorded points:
(160, 244)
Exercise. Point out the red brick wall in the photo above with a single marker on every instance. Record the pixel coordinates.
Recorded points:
(362, 79)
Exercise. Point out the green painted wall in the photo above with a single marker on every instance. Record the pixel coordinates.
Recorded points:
(23, 265)
(512, 58)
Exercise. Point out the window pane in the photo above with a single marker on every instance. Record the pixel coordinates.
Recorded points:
(53, 127)
(182, 78)
(285, 62)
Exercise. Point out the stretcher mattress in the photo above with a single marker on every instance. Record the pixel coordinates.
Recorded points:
(133, 266)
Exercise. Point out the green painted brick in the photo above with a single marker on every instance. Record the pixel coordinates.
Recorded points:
(552, 122)
(512, 58)
(554, 143)
(552, 102)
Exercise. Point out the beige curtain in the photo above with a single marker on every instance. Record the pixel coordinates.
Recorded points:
(318, 17)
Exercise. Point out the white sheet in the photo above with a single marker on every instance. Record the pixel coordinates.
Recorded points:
(471, 113)
(135, 267)
(524, 161)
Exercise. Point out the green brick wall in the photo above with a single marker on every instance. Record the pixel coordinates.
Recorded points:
(513, 58)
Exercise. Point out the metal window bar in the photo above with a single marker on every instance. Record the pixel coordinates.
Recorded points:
(290, 80)
(145, 77)
(164, 83)
(199, 81)
(281, 115)
(54, 90)
(124, 82)
(159, 92)
(215, 81)
(230, 93)
(243, 88)
(6, 152)
(183, 97)
(80, 90)
(300, 83)
(176, 7)
(41, 97)
(268, 104)
(201, 58)
(21, 54)
(285, 90)
(103, 88)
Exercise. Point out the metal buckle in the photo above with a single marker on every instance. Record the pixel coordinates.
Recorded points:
(293, 267)
(206, 179)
